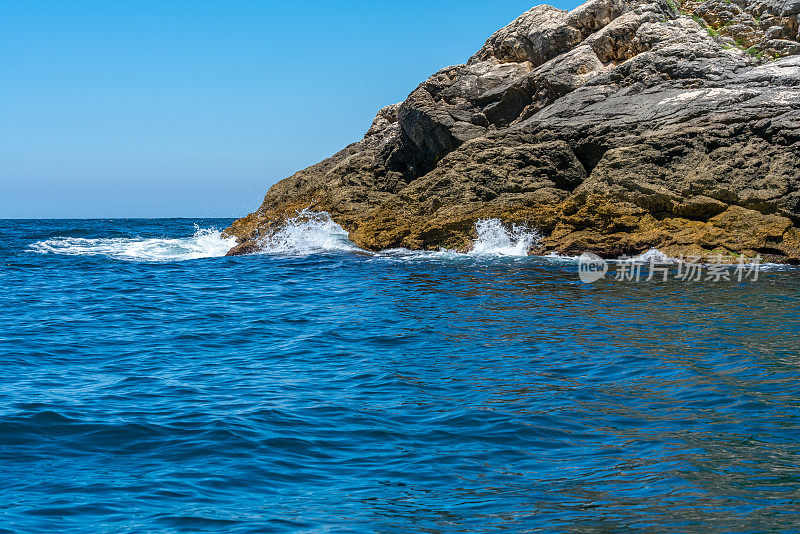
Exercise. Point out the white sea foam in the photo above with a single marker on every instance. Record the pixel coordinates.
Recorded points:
(494, 239)
(205, 243)
(308, 233)
(560, 258)
(655, 256)
(658, 257)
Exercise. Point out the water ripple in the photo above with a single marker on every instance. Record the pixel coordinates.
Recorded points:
(400, 392)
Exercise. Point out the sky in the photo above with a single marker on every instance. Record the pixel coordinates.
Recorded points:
(179, 108)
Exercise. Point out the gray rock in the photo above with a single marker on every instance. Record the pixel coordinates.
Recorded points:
(617, 127)
(789, 8)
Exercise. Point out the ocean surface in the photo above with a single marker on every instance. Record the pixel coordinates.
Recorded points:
(150, 384)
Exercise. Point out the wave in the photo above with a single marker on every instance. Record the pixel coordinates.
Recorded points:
(494, 239)
(308, 233)
(655, 256)
(204, 243)
(312, 232)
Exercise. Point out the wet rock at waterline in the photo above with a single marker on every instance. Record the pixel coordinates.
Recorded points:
(616, 128)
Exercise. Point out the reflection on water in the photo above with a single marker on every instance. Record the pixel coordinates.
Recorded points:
(347, 393)
(670, 403)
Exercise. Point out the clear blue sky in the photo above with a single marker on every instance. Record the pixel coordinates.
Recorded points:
(176, 108)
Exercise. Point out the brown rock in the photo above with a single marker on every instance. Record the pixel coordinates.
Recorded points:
(615, 128)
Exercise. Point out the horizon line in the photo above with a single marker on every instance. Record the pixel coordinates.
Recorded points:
(109, 218)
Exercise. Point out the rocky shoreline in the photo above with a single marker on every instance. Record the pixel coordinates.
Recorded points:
(615, 128)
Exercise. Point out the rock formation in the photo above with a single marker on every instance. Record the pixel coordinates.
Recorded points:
(620, 126)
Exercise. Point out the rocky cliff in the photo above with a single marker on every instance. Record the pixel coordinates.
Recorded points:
(620, 126)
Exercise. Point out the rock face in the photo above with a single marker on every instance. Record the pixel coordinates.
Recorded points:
(621, 126)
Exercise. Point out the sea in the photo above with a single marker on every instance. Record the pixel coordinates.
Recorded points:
(148, 384)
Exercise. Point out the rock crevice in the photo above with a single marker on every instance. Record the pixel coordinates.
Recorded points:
(620, 126)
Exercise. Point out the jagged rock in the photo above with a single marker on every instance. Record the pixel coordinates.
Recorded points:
(790, 7)
(614, 128)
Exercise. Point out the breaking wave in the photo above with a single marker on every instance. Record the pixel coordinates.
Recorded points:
(494, 239)
(313, 232)
(308, 233)
(655, 256)
(204, 243)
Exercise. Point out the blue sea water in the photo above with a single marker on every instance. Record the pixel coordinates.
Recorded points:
(148, 384)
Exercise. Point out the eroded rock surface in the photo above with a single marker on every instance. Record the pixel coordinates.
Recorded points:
(620, 126)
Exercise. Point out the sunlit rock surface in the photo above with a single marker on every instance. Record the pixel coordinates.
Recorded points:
(615, 128)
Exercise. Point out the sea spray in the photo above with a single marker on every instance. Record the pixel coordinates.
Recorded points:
(218, 377)
(653, 256)
(308, 233)
(204, 243)
(495, 239)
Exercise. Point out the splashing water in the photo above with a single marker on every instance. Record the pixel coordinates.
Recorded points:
(204, 243)
(654, 255)
(494, 239)
(308, 233)
(346, 393)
